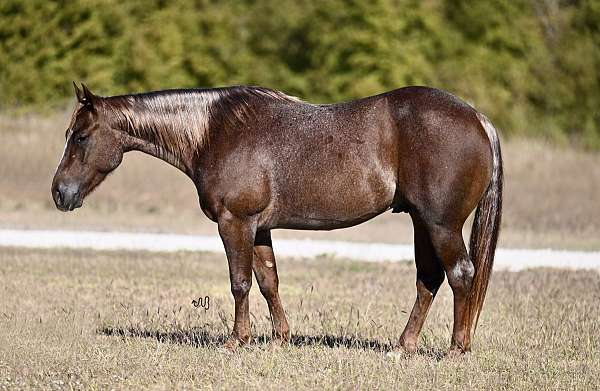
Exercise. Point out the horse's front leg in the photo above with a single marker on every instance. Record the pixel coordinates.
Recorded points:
(238, 238)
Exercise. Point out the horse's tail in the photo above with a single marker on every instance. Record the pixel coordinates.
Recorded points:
(486, 226)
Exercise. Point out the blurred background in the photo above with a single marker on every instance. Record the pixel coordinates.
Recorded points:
(533, 66)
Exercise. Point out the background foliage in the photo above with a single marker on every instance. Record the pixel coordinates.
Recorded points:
(532, 65)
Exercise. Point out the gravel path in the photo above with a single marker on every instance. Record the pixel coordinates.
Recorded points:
(508, 259)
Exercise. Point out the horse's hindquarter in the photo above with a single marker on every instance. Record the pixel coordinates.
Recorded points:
(444, 154)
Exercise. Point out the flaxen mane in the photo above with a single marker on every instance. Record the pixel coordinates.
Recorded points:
(179, 121)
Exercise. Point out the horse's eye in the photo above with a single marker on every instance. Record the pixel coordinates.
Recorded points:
(81, 139)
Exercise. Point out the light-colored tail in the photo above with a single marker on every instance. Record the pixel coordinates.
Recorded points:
(486, 227)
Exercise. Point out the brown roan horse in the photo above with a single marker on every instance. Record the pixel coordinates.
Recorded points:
(262, 160)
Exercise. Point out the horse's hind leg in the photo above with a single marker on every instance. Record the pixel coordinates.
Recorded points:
(430, 276)
(450, 250)
(265, 271)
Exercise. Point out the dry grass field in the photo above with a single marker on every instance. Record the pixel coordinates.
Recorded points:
(551, 193)
(118, 320)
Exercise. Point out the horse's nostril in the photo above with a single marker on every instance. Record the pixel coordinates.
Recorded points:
(58, 196)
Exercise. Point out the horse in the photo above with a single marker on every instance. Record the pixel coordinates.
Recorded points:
(264, 160)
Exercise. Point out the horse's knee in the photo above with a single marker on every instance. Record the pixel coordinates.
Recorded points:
(240, 287)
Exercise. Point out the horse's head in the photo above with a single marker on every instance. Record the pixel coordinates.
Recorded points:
(92, 150)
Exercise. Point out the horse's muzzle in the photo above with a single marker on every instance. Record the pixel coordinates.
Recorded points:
(66, 196)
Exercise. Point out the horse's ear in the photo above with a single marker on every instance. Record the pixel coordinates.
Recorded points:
(88, 97)
(78, 92)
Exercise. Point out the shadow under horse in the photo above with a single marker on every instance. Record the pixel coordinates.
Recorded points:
(262, 160)
(200, 337)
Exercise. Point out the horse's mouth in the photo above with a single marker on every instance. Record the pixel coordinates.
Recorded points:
(70, 207)
(77, 205)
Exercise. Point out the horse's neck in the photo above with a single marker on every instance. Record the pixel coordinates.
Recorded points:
(172, 127)
(135, 143)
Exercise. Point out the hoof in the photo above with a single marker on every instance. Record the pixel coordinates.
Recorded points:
(402, 351)
(457, 352)
(408, 347)
(234, 342)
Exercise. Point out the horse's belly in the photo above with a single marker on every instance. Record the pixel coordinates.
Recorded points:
(319, 223)
(336, 200)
